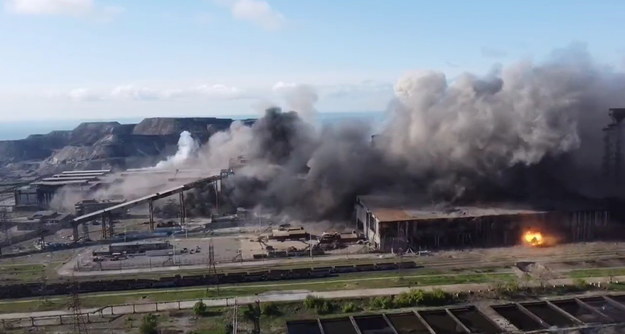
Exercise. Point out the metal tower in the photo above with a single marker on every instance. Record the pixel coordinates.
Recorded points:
(212, 269)
(74, 305)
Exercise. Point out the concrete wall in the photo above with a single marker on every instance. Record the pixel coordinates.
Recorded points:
(367, 223)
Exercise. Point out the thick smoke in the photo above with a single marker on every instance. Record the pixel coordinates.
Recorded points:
(301, 98)
(187, 147)
(523, 132)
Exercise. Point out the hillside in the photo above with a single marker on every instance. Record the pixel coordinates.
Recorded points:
(103, 145)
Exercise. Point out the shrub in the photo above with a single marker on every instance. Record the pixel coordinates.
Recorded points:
(200, 309)
(385, 302)
(325, 307)
(149, 324)
(508, 288)
(349, 308)
(320, 305)
(580, 283)
(312, 302)
(436, 297)
(270, 309)
(410, 298)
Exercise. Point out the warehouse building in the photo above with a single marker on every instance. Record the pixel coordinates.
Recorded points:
(37, 195)
(397, 224)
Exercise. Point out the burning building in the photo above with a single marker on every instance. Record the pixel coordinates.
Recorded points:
(392, 224)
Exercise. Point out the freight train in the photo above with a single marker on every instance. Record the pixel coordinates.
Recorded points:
(63, 288)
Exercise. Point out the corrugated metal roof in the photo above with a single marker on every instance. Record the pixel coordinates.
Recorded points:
(393, 209)
(87, 171)
(60, 182)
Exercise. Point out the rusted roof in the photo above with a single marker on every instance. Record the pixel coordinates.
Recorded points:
(390, 209)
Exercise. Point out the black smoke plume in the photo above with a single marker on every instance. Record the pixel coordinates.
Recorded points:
(525, 132)
(522, 132)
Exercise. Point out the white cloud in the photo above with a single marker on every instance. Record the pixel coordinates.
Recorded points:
(352, 90)
(282, 86)
(130, 92)
(61, 7)
(83, 94)
(219, 91)
(258, 12)
(138, 93)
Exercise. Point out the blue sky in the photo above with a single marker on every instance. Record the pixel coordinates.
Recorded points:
(68, 59)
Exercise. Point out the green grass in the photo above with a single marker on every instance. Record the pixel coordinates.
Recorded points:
(363, 280)
(341, 283)
(11, 273)
(599, 272)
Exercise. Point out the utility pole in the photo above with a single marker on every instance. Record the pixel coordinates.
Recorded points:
(235, 316)
(310, 245)
(44, 283)
(257, 318)
(211, 263)
(74, 305)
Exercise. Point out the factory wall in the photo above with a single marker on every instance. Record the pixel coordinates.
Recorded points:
(366, 223)
(485, 231)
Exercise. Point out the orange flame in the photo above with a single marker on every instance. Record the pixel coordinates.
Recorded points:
(533, 238)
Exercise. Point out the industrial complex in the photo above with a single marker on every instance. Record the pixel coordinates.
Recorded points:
(119, 230)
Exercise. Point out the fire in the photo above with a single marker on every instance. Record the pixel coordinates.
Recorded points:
(533, 238)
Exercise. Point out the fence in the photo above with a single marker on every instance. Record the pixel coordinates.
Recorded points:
(102, 315)
(58, 320)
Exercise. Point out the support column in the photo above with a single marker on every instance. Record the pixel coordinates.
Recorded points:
(217, 191)
(151, 214)
(111, 230)
(103, 218)
(75, 231)
(182, 210)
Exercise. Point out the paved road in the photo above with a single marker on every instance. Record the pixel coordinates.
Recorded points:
(285, 296)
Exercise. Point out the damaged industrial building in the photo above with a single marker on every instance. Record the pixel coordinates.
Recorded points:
(397, 224)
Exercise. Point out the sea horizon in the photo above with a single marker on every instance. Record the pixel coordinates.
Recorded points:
(15, 130)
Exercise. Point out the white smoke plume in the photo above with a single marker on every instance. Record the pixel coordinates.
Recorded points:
(187, 148)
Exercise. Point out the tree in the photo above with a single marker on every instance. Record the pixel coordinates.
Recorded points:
(149, 324)
(252, 313)
(200, 309)
(270, 309)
